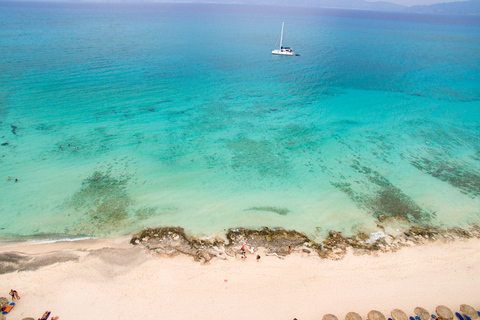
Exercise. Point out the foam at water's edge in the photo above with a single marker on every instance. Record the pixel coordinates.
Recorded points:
(27, 242)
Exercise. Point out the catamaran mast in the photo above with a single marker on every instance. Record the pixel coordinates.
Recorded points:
(281, 36)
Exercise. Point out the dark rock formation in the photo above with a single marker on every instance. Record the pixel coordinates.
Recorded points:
(273, 240)
(173, 241)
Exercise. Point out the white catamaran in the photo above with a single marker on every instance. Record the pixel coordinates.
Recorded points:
(284, 51)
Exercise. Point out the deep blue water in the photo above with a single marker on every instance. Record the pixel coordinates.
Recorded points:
(179, 115)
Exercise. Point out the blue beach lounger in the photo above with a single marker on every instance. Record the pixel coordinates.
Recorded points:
(412, 318)
(459, 316)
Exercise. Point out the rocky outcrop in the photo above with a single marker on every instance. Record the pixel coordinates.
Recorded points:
(280, 242)
(273, 240)
(172, 241)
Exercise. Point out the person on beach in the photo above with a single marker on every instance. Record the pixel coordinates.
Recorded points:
(14, 294)
(289, 249)
(243, 249)
(258, 257)
(244, 257)
(45, 315)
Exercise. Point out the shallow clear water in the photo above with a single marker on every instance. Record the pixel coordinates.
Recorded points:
(178, 115)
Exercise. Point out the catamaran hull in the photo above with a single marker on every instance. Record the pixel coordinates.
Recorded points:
(282, 53)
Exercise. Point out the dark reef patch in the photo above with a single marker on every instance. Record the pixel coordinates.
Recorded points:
(145, 213)
(346, 122)
(299, 138)
(392, 202)
(259, 155)
(14, 129)
(45, 127)
(278, 210)
(384, 199)
(103, 201)
(458, 175)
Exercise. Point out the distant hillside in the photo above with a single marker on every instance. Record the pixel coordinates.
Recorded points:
(460, 8)
(338, 4)
(465, 8)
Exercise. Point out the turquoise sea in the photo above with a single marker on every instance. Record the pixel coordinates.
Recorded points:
(116, 117)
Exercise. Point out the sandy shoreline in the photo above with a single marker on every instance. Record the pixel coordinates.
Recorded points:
(111, 279)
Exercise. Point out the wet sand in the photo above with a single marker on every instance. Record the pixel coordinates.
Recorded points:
(111, 279)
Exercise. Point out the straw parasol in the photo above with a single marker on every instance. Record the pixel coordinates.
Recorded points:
(398, 314)
(353, 316)
(329, 317)
(28, 318)
(444, 313)
(422, 313)
(375, 315)
(3, 302)
(469, 311)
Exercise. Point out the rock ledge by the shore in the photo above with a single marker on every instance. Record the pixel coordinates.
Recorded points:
(279, 242)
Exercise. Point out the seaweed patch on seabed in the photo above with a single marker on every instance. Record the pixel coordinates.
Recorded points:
(387, 200)
(278, 210)
(259, 155)
(278, 242)
(297, 138)
(458, 175)
(103, 201)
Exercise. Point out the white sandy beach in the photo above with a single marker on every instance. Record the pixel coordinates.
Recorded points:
(126, 282)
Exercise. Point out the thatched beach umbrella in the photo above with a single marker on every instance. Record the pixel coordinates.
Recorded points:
(469, 311)
(353, 316)
(28, 319)
(329, 317)
(3, 302)
(444, 313)
(398, 314)
(375, 315)
(422, 313)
